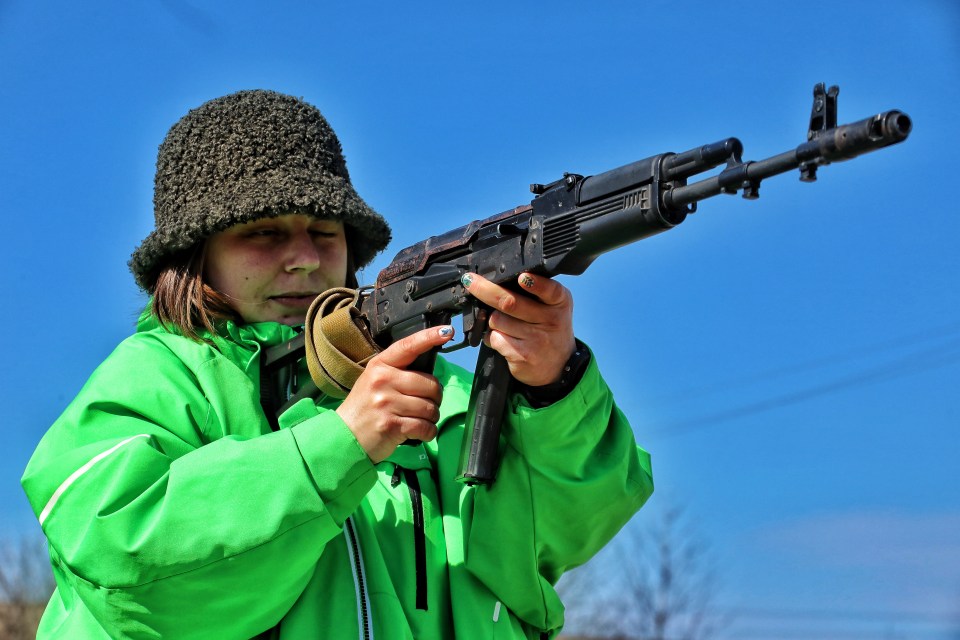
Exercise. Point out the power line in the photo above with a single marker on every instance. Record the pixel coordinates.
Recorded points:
(936, 357)
(897, 343)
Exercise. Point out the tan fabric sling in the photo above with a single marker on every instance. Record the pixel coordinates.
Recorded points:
(338, 342)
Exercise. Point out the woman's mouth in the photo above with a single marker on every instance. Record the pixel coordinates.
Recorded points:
(294, 299)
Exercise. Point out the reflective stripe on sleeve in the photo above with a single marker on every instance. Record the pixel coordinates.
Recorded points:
(79, 472)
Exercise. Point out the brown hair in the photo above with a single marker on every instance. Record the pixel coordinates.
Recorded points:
(183, 301)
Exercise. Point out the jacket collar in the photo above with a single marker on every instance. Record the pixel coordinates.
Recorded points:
(253, 335)
(241, 343)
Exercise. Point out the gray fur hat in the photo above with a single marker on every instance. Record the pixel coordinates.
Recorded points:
(246, 156)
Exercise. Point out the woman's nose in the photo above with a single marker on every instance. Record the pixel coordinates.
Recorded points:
(302, 254)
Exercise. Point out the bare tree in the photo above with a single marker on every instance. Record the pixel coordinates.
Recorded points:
(26, 583)
(654, 582)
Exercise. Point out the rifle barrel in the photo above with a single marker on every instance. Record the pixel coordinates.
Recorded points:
(840, 143)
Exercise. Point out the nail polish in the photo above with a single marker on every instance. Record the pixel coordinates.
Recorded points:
(527, 281)
(446, 331)
(466, 279)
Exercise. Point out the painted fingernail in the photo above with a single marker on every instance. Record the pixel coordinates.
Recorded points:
(466, 279)
(446, 331)
(527, 281)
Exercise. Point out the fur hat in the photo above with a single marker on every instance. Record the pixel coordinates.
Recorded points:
(246, 156)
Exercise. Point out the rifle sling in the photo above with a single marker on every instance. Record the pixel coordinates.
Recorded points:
(338, 342)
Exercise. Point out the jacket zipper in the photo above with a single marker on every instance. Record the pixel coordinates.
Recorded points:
(359, 580)
(419, 535)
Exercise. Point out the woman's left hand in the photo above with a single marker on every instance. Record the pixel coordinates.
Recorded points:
(534, 332)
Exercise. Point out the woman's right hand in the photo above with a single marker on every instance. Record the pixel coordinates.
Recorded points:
(389, 404)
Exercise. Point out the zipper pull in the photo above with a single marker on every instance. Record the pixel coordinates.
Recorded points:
(395, 478)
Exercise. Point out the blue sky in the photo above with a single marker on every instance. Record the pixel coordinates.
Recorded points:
(792, 364)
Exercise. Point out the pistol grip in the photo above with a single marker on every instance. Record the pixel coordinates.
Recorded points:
(424, 363)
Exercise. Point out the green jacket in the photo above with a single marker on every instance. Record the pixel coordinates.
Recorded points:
(173, 510)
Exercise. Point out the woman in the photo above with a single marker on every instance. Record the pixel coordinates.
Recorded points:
(175, 510)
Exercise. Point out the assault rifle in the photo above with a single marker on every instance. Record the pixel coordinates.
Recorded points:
(566, 226)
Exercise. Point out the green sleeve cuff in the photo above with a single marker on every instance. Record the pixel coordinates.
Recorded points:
(573, 370)
(340, 468)
(590, 389)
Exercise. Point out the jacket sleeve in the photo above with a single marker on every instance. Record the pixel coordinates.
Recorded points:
(165, 527)
(571, 476)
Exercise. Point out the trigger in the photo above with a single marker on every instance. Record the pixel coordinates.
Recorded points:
(475, 324)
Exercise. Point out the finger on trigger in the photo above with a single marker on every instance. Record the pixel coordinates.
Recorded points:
(404, 351)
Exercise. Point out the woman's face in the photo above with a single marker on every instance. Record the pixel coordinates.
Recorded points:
(272, 269)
